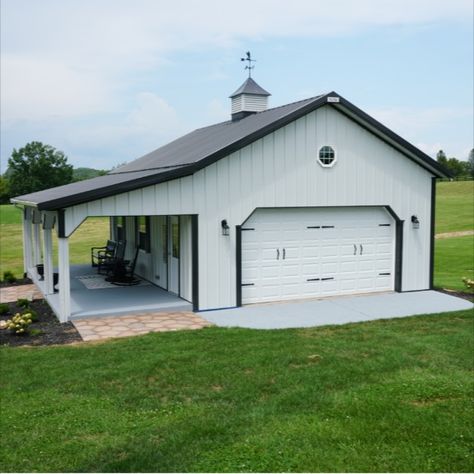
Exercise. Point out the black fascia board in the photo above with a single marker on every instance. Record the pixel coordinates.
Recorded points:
(113, 189)
(443, 172)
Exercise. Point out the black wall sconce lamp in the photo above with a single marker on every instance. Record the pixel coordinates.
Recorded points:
(225, 227)
(415, 222)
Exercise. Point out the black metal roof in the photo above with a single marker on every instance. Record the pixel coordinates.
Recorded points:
(200, 148)
(250, 87)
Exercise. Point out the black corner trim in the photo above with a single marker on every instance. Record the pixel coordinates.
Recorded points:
(195, 261)
(61, 224)
(432, 232)
(398, 255)
(238, 265)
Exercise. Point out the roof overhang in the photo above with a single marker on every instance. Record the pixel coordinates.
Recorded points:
(105, 186)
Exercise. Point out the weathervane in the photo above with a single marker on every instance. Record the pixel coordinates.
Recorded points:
(250, 61)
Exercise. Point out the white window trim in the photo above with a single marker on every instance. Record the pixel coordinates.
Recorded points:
(330, 165)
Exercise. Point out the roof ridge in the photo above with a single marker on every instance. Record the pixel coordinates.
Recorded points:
(262, 111)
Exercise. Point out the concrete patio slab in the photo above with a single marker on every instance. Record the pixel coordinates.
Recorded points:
(340, 310)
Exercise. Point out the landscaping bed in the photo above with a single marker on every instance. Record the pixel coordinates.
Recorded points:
(16, 282)
(45, 331)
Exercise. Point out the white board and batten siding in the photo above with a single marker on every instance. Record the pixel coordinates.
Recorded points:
(281, 170)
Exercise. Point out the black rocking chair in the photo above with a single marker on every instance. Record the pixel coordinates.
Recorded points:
(98, 254)
(107, 263)
(123, 274)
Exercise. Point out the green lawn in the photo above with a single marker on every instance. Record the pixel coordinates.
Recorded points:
(454, 206)
(454, 260)
(94, 231)
(383, 396)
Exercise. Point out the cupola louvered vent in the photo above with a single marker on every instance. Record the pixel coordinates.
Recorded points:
(248, 99)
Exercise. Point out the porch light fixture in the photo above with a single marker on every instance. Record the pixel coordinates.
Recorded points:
(225, 227)
(415, 222)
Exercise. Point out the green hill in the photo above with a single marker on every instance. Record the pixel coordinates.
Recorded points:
(79, 174)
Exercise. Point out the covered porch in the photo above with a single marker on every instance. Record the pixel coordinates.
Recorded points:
(162, 249)
(98, 299)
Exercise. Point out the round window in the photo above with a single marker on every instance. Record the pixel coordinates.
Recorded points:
(327, 156)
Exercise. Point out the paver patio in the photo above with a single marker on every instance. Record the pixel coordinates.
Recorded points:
(93, 329)
(9, 294)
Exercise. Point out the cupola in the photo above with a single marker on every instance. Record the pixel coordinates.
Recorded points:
(249, 98)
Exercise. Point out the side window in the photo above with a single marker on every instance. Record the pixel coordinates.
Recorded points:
(142, 225)
(327, 156)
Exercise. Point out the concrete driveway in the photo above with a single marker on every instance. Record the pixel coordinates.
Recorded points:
(340, 310)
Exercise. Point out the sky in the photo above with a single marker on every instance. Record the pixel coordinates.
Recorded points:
(107, 81)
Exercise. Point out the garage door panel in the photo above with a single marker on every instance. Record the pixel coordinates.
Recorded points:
(310, 251)
(328, 250)
(349, 246)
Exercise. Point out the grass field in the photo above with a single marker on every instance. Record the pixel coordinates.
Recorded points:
(383, 396)
(454, 206)
(454, 260)
(94, 231)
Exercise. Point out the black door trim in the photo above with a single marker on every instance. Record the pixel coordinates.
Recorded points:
(398, 279)
(238, 265)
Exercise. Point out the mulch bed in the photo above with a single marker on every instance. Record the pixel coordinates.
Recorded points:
(18, 282)
(51, 330)
(459, 294)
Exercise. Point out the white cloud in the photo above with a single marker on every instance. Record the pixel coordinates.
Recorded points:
(412, 123)
(37, 89)
(58, 57)
(150, 123)
(413, 120)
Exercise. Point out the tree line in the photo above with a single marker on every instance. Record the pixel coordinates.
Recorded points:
(457, 168)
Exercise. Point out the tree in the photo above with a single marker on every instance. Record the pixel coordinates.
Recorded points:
(441, 157)
(4, 190)
(36, 167)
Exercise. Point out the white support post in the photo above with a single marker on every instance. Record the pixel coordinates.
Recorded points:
(37, 244)
(27, 245)
(64, 283)
(48, 261)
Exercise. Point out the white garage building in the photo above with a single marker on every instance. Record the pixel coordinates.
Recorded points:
(310, 199)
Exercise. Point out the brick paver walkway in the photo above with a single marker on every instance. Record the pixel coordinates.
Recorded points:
(93, 329)
(8, 294)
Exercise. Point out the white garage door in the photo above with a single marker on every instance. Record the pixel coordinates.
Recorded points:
(310, 252)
